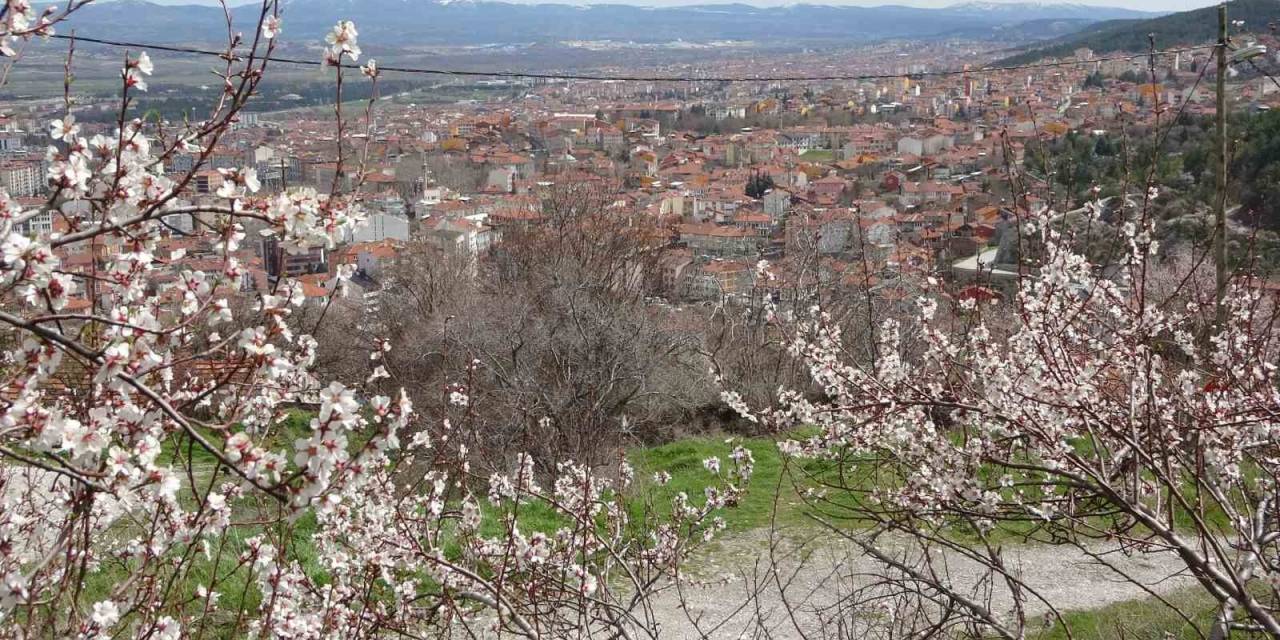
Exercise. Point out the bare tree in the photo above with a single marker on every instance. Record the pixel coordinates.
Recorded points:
(565, 358)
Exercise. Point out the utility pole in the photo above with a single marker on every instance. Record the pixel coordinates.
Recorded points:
(1220, 196)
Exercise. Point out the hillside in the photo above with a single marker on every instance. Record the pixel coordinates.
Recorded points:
(1186, 28)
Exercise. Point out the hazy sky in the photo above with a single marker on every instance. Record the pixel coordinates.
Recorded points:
(1145, 5)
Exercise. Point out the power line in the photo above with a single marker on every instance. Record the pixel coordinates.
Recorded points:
(632, 78)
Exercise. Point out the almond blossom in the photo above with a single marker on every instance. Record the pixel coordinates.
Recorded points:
(342, 40)
(271, 27)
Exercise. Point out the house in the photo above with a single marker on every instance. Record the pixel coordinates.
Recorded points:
(828, 190)
(372, 258)
(872, 209)
(776, 203)
(880, 231)
(673, 271)
(680, 204)
(465, 235)
(500, 180)
(709, 239)
(720, 279)
(726, 111)
(11, 137)
(643, 161)
(917, 193)
(644, 127)
(514, 219)
(925, 144)
(207, 181)
(279, 262)
(821, 231)
(760, 224)
(606, 136)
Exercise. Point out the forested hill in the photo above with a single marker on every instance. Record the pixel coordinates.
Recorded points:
(1177, 29)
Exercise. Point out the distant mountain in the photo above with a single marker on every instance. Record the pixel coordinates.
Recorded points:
(1035, 11)
(401, 22)
(1040, 30)
(1199, 26)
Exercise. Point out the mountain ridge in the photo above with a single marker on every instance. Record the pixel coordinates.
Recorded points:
(397, 22)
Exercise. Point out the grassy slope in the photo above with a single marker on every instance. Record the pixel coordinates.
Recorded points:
(770, 500)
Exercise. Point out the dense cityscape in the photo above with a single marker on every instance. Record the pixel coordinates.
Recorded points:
(895, 178)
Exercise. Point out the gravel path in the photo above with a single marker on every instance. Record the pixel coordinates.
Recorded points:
(816, 573)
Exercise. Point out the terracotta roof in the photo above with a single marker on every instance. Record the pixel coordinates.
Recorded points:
(715, 230)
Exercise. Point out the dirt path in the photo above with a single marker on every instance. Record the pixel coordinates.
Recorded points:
(754, 585)
(816, 573)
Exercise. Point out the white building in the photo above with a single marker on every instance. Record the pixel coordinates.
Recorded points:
(21, 179)
(39, 225)
(381, 226)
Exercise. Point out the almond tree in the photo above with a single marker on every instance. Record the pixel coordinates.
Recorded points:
(153, 485)
(1107, 414)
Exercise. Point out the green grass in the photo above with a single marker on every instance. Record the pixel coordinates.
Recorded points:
(818, 155)
(176, 450)
(683, 460)
(230, 580)
(1144, 619)
(178, 447)
(530, 517)
(770, 499)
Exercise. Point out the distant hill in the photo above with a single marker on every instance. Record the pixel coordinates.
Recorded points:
(1179, 29)
(402, 22)
(1043, 29)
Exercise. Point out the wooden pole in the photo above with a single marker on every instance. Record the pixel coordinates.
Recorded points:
(1220, 197)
